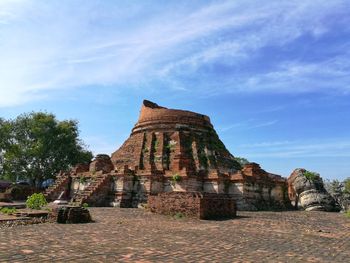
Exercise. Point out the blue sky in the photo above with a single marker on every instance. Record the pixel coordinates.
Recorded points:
(274, 76)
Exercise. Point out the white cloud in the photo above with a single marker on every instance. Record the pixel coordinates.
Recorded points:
(62, 45)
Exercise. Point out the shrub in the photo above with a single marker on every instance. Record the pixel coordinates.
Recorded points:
(85, 205)
(36, 201)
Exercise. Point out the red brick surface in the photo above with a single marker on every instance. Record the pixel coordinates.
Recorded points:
(134, 235)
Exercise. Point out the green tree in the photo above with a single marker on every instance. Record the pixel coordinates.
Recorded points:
(335, 188)
(36, 146)
(4, 135)
(340, 192)
(347, 185)
(347, 194)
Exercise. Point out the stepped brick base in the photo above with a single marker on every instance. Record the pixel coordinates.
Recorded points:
(96, 193)
(62, 184)
(193, 204)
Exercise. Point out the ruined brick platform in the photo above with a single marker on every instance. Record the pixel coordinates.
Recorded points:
(134, 235)
(193, 204)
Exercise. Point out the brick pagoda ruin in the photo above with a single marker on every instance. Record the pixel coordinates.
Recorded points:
(170, 151)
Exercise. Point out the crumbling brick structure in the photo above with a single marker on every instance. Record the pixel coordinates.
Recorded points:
(174, 150)
(193, 204)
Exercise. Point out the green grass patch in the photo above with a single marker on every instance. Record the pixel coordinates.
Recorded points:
(179, 215)
(8, 210)
(347, 214)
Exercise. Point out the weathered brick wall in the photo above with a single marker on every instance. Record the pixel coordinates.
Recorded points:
(131, 191)
(102, 162)
(152, 114)
(217, 205)
(171, 203)
(193, 204)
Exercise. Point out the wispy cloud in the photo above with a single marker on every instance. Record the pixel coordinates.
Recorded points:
(205, 48)
(247, 125)
(8, 9)
(297, 149)
(101, 144)
(266, 144)
(264, 124)
(331, 74)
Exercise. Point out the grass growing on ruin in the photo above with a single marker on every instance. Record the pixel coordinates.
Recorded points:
(171, 145)
(175, 178)
(82, 180)
(311, 176)
(156, 144)
(8, 211)
(179, 215)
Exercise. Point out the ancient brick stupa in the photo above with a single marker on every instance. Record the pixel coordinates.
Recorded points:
(170, 150)
(168, 142)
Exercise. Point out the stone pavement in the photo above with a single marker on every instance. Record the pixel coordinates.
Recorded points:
(134, 235)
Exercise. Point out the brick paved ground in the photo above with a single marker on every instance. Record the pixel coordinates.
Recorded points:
(133, 235)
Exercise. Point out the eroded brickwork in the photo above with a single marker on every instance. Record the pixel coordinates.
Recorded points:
(193, 204)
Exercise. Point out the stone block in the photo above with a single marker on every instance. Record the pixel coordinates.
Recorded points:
(73, 215)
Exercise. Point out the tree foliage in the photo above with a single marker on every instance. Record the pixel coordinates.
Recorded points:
(347, 185)
(340, 192)
(36, 146)
(4, 134)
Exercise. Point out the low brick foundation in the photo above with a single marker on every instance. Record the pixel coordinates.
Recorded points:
(193, 204)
